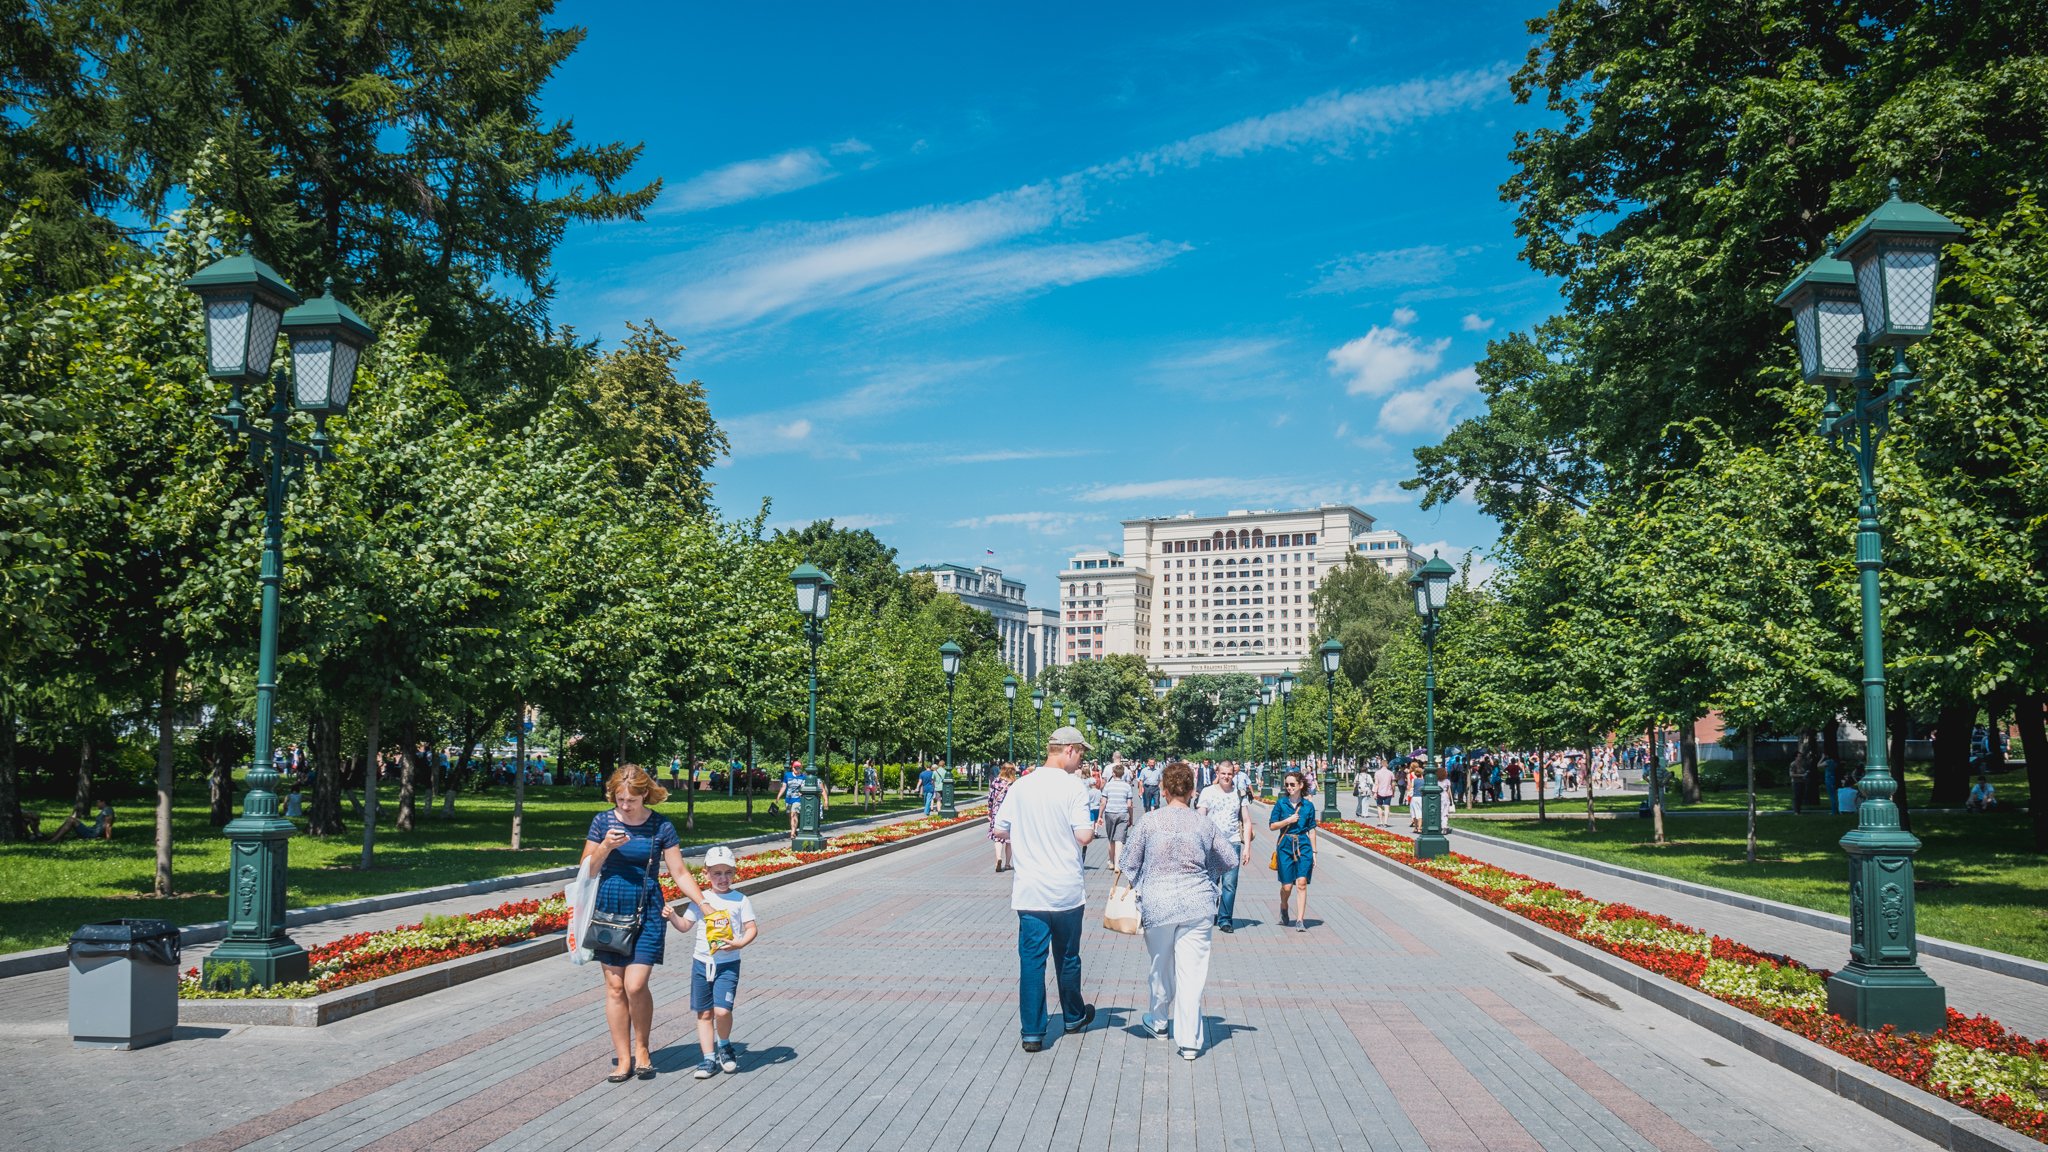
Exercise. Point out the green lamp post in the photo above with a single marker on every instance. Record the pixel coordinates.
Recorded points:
(949, 659)
(245, 305)
(1038, 721)
(1257, 753)
(1010, 694)
(1286, 689)
(1875, 292)
(1432, 588)
(1331, 654)
(813, 603)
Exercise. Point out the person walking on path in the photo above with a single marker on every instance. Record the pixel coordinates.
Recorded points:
(1177, 856)
(722, 926)
(928, 787)
(1045, 822)
(1150, 780)
(1117, 795)
(996, 792)
(625, 840)
(1228, 809)
(1294, 818)
(1383, 791)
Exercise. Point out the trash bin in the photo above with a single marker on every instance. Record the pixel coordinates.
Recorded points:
(124, 983)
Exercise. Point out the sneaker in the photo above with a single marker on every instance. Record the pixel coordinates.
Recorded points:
(1228, 925)
(1155, 1029)
(706, 1069)
(1188, 1053)
(728, 1060)
(1034, 1045)
(1087, 1018)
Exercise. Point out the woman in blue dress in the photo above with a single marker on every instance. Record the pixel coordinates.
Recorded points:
(1294, 818)
(624, 840)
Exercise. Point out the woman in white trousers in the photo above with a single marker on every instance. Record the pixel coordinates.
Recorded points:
(1175, 857)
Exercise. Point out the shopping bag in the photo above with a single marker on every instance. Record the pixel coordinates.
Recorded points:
(581, 894)
(1121, 913)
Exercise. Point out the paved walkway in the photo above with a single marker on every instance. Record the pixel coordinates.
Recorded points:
(2016, 1003)
(878, 1012)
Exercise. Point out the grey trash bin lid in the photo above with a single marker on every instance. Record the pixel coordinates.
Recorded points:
(146, 941)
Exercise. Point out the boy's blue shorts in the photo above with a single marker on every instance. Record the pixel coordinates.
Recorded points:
(717, 991)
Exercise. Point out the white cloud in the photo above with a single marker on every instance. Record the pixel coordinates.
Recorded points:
(1458, 555)
(1218, 492)
(851, 146)
(1385, 358)
(1005, 455)
(1474, 322)
(1046, 523)
(747, 180)
(887, 390)
(1388, 492)
(795, 430)
(1425, 264)
(1403, 317)
(1430, 407)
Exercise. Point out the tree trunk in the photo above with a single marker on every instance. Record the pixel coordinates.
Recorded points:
(459, 771)
(1689, 762)
(408, 773)
(1656, 790)
(1897, 729)
(1951, 754)
(518, 773)
(1749, 752)
(1542, 811)
(88, 764)
(1803, 769)
(166, 768)
(323, 739)
(2034, 742)
(12, 825)
(1586, 778)
(220, 776)
(690, 783)
(750, 777)
(373, 763)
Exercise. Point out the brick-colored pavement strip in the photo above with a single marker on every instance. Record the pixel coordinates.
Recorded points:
(879, 1012)
(2018, 1004)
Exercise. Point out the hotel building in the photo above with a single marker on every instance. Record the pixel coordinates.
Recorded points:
(1207, 594)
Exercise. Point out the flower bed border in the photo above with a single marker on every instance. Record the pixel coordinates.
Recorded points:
(356, 999)
(1925, 1113)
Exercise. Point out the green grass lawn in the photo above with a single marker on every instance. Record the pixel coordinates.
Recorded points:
(2012, 792)
(47, 890)
(1979, 881)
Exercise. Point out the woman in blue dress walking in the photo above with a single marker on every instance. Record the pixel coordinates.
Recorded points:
(625, 840)
(1294, 818)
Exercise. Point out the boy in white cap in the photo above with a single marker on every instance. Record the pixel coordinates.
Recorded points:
(723, 926)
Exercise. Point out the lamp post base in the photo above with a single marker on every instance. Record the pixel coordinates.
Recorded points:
(1431, 845)
(808, 838)
(257, 952)
(1330, 809)
(946, 808)
(1906, 998)
(240, 964)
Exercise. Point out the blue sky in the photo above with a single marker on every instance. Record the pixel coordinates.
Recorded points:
(982, 279)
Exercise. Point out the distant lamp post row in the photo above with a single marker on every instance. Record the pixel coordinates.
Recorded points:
(949, 659)
(1037, 723)
(246, 305)
(813, 603)
(1010, 694)
(1331, 654)
(1875, 291)
(1431, 585)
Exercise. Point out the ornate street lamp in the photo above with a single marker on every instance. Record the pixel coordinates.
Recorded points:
(1332, 654)
(1431, 585)
(1010, 694)
(813, 603)
(245, 305)
(1876, 291)
(949, 659)
(1259, 772)
(1286, 689)
(1038, 721)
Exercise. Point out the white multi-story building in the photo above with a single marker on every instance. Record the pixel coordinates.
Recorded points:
(1020, 629)
(1042, 649)
(1204, 594)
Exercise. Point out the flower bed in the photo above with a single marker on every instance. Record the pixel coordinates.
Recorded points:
(367, 956)
(1973, 1061)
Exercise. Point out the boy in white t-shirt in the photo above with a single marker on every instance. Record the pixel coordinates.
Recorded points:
(722, 927)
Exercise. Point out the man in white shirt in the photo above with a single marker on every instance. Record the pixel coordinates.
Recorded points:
(1044, 819)
(1149, 778)
(1230, 810)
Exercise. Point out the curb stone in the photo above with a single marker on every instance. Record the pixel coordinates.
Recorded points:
(314, 1011)
(2005, 964)
(52, 958)
(1921, 1113)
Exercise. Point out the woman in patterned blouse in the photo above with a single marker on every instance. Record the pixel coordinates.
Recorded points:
(1176, 857)
(996, 791)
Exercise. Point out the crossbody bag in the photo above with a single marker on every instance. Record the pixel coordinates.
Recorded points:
(616, 931)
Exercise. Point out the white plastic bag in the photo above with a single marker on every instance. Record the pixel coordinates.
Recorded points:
(581, 894)
(1121, 914)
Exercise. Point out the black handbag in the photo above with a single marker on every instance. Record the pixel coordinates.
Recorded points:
(616, 931)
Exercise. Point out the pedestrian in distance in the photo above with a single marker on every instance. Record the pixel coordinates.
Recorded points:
(1383, 791)
(996, 792)
(1150, 780)
(1293, 816)
(722, 923)
(928, 787)
(1361, 787)
(1177, 858)
(1094, 785)
(790, 794)
(1228, 807)
(1114, 823)
(627, 841)
(1045, 822)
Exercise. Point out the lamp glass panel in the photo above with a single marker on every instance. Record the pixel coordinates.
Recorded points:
(1910, 273)
(1808, 330)
(262, 337)
(824, 601)
(1439, 592)
(312, 368)
(345, 357)
(1331, 657)
(1421, 598)
(1840, 329)
(1870, 292)
(806, 597)
(227, 335)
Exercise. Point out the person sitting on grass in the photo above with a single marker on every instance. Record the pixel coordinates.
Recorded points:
(1983, 797)
(723, 925)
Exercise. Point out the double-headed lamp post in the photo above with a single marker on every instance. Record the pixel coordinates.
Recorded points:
(1286, 688)
(949, 659)
(245, 305)
(813, 603)
(1257, 752)
(1038, 721)
(1331, 654)
(1875, 292)
(1010, 694)
(1431, 585)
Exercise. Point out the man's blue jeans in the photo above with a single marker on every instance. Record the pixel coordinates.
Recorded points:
(1226, 898)
(928, 803)
(1038, 933)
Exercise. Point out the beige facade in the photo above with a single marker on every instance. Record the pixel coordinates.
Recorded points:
(1019, 628)
(1208, 594)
